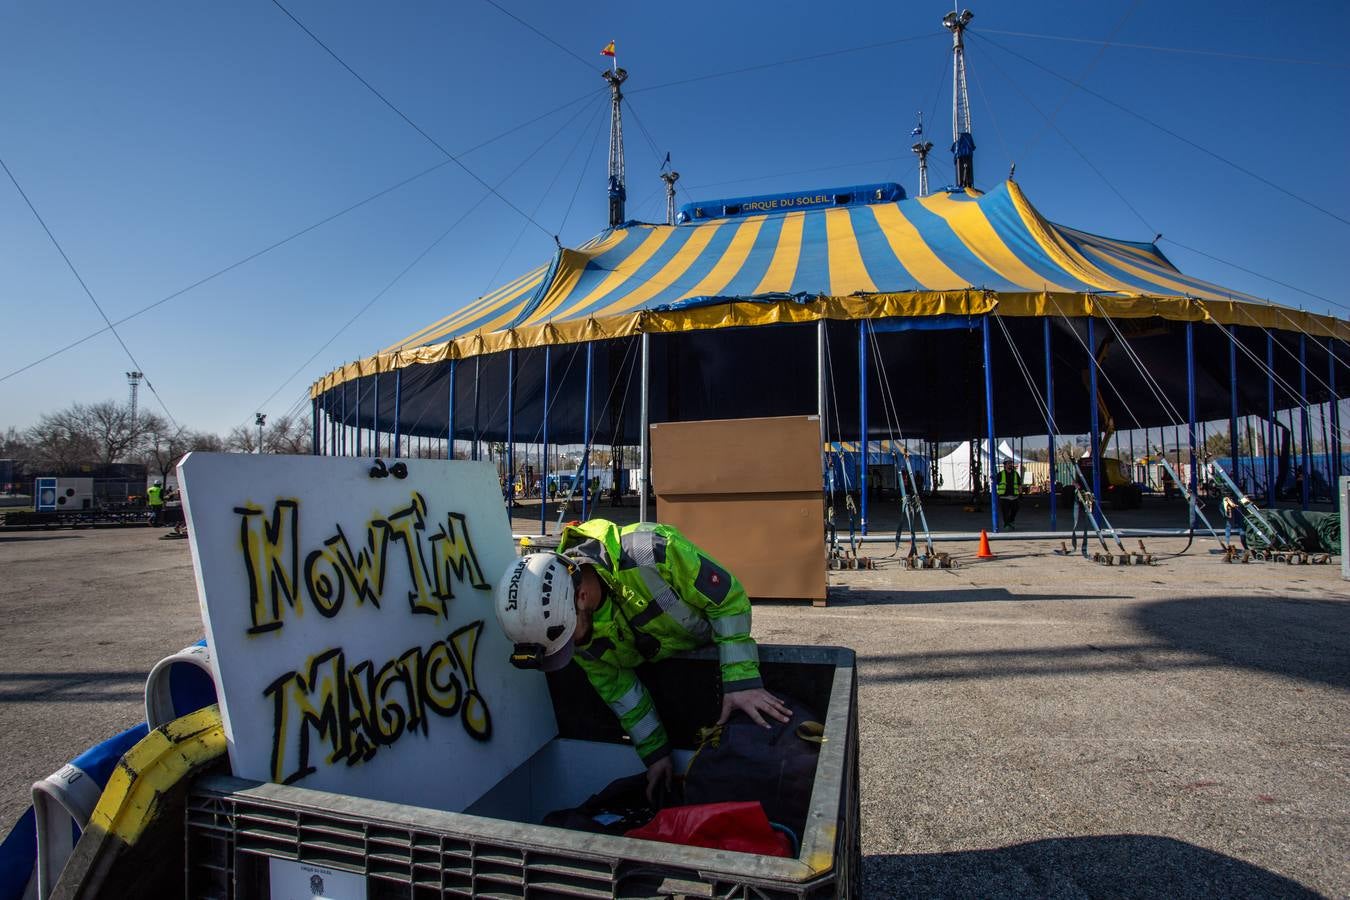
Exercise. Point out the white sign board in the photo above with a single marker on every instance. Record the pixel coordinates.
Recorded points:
(351, 626)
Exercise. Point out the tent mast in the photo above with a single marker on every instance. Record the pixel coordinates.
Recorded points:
(963, 145)
(921, 147)
(670, 178)
(617, 191)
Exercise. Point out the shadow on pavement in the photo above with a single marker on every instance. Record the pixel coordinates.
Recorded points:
(59, 536)
(1116, 866)
(1296, 637)
(71, 687)
(940, 592)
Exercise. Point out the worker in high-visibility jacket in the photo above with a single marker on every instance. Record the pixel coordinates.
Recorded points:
(612, 598)
(1008, 487)
(154, 498)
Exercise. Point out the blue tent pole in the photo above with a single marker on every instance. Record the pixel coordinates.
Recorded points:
(1050, 425)
(477, 388)
(586, 436)
(375, 417)
(543, 454)
(510, 429)
(992, 469)
(1232, 422)
(398, 405)
(358, 415)
(314, 436)
(1095, 438)
(450, 415)
(328, 424)
(1305, 426)
(1270, 419)
(1190, 416)
(1326, 450)
(343, 445)
(1335, 402)
(862, 426)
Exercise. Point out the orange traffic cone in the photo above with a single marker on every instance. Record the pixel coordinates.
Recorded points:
(985, 552)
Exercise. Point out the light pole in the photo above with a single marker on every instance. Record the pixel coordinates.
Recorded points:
(260, 420)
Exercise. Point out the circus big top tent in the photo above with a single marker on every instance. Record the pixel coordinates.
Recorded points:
(950, 316)
(732, 303)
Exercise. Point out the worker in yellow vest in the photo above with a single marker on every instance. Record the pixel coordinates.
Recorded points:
(154, 498)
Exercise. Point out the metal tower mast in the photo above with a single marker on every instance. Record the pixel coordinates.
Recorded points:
(921, 148)
(618, 193)
(670, 178)
(963, 145)
(134, 379)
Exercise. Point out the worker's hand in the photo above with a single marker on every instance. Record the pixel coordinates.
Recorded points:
(659, 775)
(755, 703)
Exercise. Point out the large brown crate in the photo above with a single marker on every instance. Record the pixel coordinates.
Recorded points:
(749, 492)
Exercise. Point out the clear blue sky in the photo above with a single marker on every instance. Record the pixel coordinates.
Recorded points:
(163, 141)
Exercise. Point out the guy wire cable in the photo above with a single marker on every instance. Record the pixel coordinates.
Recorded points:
(1080, 486)
(416, 259)
(890, 409)
(293, 236)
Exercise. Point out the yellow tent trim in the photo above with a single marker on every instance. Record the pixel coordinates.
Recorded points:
(743, 313)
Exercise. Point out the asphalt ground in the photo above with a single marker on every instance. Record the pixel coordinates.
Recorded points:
(1031, 726)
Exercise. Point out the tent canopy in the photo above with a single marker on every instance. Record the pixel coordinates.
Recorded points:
(963, 253)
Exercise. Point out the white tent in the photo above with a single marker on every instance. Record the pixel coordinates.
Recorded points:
(954, 468)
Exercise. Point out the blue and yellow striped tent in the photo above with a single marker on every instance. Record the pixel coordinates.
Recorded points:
(948, 253)
(715, 286)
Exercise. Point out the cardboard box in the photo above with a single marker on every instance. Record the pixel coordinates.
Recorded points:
(748, 491)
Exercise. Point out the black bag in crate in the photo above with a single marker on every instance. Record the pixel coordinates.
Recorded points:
(744, 761)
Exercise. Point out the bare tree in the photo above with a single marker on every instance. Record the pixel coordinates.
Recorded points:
(94, 432)
(59, 442)
(287, 435)
(242, 439)
(14, 445)
(165, 446)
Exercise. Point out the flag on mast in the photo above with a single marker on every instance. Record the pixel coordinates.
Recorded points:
(609, 49)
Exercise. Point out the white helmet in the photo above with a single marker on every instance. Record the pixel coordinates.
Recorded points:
(537, 610)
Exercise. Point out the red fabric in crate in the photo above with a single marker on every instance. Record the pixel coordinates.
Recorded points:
(741, 827)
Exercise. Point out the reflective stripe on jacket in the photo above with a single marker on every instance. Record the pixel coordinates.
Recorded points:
(664, 596)
(1004, 490)
(154, 495)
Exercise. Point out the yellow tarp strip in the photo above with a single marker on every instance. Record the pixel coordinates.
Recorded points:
(783, 267)
(913, 252)
(670, 273)
(130, 801)
(732, 259)
(848, 273)
(973, 229)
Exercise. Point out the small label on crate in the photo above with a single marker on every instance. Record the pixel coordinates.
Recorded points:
(302, 881)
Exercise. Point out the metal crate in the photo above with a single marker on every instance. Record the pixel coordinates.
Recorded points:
(234, 827)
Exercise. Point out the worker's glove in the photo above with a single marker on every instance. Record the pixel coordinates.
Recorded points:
(755, 703)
